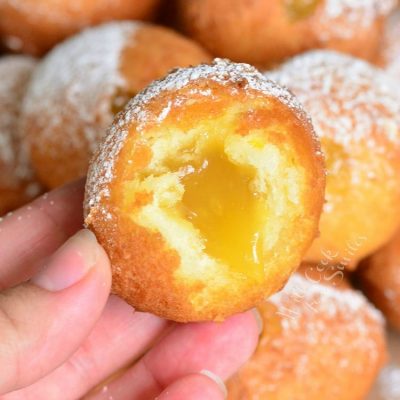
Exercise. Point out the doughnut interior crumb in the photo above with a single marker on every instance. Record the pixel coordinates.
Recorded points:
(218, 193)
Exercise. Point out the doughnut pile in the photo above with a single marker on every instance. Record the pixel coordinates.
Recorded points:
(318, 342)
(379, 276)
(80, 86)
(206, 192)
(355, 110)
(17, 183)
(215, 188)
(265, 32)
(35, 26)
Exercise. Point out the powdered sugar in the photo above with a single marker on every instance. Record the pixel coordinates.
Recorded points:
(344, 18)
(221, 71)
(73, 85)
(347, 98)
(314, 297)
(15, 72)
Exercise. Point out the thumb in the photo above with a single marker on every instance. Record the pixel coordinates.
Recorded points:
(44, 321)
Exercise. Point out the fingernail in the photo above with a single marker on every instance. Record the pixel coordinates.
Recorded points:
(217, 380)
(70, 263)
(259, 320)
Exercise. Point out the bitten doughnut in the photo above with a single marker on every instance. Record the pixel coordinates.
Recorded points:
(17, 184)
(35, 26)
(379, 276)
(318, 342)
(355, 109)
(390, 51)
(206, 192)
(265, 32)
(83, 82)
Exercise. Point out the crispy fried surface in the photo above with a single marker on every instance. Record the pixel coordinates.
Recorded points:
(160, 262)
(318, 342)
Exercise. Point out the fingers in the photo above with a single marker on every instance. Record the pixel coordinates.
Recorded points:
(44, 321)
(218, 347)
(119, 337)
(35, 231)
(204, 385)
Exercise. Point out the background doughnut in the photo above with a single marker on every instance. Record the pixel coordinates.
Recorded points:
(318, 342)
(265, 32)
(35, 26)
(84, 81)
(355, 110)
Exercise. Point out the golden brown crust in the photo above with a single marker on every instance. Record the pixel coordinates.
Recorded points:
(70, 102)
(355, 110)
(265, 32)
(35, 26)
(146, 269)
(379, 276)
(318, 343)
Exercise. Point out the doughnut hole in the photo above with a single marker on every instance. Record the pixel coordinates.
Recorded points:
(212, 209)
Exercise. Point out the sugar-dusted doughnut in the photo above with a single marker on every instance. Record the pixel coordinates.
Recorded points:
(83, 82)
(206, 192)
(355, 109)
(379, 276)
(389, 57)
(265, 32)
(35, 26)
(17, 184)
(318, 342)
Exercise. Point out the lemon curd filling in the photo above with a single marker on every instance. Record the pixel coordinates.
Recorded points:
(300, 9)
(219, 202)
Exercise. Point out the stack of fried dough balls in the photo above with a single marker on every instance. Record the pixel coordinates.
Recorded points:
(355, 109)
(265, 32)
(379, 276)
(210, 182)
(35, 26)
(80, 85)
(17, 182)
(206, 192)
(318, 342)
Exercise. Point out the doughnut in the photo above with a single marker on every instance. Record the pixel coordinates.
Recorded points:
(355, 109)
(318, 342)
(389, 57)
(84, 81)
(35, 26)
(266, 32)
(379, 277)
(17, 184)
(206, 192)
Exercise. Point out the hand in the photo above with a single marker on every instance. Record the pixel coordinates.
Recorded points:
(61, 333)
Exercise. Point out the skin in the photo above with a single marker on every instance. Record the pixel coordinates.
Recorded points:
(58, 322)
